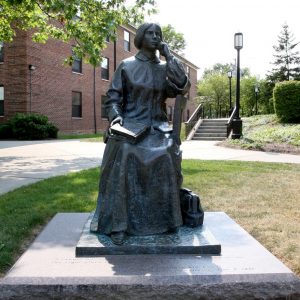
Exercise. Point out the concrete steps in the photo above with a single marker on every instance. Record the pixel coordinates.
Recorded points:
(212, 130)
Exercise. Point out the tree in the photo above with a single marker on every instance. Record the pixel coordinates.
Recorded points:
(217, 68)
(87, 23)
(213, 89)
(287, 60)
(174, 39)
(248, 95)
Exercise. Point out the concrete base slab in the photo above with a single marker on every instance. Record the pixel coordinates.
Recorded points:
(187, 241)
(244, 270)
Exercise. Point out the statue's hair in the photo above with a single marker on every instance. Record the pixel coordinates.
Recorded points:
(138, 39)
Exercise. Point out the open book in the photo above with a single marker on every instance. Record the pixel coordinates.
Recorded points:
(132, 130)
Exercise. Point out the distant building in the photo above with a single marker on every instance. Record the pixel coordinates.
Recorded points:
(33, 78)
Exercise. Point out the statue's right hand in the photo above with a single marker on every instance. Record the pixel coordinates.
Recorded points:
(118, 119)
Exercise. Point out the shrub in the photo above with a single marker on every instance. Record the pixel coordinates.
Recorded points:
(5, 131)
(52, 131)
(287, 101)
(32, 127)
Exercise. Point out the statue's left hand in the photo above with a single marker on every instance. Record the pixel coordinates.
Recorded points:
(118, 119)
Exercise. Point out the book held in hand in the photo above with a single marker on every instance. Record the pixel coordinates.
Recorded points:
(132, 130)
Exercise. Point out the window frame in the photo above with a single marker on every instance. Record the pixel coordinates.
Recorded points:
(1, 52)
(78, 61)
(2, 101)
(188, 71)
(105, 71)
(126, 42)
(79, 116)
(170, 111)
(187, 114)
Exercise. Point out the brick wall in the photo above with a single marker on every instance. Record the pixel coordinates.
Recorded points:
(14, 77)
(52, 82)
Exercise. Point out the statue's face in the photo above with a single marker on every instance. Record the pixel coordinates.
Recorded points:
(152, 38)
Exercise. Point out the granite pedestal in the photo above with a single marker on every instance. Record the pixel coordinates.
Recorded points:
(244, 270)
(187, 240)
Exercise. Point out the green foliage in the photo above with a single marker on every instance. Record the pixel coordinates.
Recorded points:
(86, 22)
(248, 95)
(265, 132)
(287, 101)
(222, 69)
(287, 60)
(31, 127)
(5, 131)
(213, 89)
(174, 39)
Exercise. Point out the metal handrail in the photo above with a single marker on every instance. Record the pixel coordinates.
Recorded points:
(193, 119)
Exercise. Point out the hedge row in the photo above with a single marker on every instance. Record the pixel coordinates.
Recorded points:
(286, 96)
(28, 127)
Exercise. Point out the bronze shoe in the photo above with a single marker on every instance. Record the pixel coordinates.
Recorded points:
(118, 238)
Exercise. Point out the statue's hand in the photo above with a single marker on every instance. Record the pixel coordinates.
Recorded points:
(118, 119)
(164, 50)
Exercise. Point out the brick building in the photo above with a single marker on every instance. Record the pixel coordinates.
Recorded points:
(33, 78)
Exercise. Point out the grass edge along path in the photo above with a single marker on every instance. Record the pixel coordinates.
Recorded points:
(86, 137)
(262, 197)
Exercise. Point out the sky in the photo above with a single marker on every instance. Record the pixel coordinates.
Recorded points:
(209, 27)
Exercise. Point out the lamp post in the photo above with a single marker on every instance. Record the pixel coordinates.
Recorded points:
(256, 91)
(237, 122)
(30, 68)
(229, 74)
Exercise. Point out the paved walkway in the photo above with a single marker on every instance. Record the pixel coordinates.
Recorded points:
(26, 162)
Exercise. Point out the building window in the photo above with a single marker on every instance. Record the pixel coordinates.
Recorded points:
(77, 63)
(1, 101)
(1, 52)
(105, 68)
(104, 114)
(170, 113)
(187, 114)
(126, 40)
(76, 105)
(188, 71)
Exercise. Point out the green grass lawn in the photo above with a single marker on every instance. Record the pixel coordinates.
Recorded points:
(262, 197)
(85, 136)
(266, 133)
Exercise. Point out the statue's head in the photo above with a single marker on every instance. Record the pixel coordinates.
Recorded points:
(139, 37)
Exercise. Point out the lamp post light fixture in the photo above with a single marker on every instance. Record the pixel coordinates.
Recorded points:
(229, 74)
(237, 122)
(30, 68)
(256, 91)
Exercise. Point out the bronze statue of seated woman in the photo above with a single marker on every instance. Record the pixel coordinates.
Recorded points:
(139, 190)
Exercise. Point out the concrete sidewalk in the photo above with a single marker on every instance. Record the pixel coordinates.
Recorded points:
(207, 150)
(26, 162)
(23, 163)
